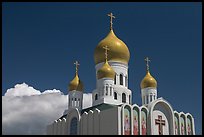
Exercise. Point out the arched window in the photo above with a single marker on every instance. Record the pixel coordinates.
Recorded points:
(123, 98)
(126, 81)
(115, 95)
(115, 80)
(111, 89)
(129, 99)
(121, 79)
(150, 98)
(96, 97)
(73, 126)
(106, 90)
(75, 102)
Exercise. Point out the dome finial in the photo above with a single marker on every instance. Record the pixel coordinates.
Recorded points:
(111, 20)
(106, 53)
(147, 63)
(148, 80)
(76, 83)
(77, 64)
(106, 71)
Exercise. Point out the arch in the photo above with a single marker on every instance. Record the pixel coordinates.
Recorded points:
(55, 127)
(190, 126)
(182, 124)
(115, 96)
(106, 90)
(136, 119)
(121, 79)
(115, 79)
(63, 126)
(126, 81)
(96, 121)
(73, 126)
(143, 120)
(111, 90)
(176, 123)
(71, 113)
(84, 124)
(126, 119)
(96, 97)
(123, 98)
(162, 107)
(129, 99)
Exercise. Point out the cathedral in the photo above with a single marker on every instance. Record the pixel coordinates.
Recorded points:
(112, 111)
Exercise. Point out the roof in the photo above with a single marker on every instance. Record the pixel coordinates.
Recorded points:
(101, 107)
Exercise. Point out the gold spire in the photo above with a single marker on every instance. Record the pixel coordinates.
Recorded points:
(111, 20)
(148, 80)
(106, 70)
(76, 83)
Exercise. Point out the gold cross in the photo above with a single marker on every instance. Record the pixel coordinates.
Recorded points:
(106, 52)
(77, 64)
(111, 20)
(147, 63)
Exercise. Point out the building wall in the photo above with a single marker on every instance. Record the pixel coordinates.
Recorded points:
(109, 121)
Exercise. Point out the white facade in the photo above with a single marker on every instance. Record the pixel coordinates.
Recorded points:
(149, 94)
(105, 119)
(115, 91)
(112, 111)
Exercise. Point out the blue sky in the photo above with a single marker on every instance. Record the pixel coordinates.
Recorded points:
(40, 42)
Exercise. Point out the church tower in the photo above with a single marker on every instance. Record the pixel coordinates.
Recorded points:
(148, 86)
(118, 58)
(76, 91)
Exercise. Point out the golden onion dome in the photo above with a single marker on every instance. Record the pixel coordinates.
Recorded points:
(148, 81)
(106, 71)
(76, 84)
(118, 50)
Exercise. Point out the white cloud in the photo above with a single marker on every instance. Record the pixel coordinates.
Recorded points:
(26, 110)
(22, 90)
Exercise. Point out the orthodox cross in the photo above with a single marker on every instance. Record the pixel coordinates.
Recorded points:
(106, 52)
(77, 64)
(161, 123)
(147, 63)
(111, 20)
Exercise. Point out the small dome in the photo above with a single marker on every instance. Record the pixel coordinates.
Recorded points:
(76, 84)
(148, 81)
(118, 50)
(106, 71)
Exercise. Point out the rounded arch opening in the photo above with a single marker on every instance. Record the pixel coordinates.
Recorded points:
(73, 126)
(123, 98)
(121, 79)
(115, 96)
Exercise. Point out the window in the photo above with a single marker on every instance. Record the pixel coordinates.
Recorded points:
(123, 98)
(150, 98)
(106, 89)
(111, 88)
(126, 81)
(129, 99)
(75, 102)
(115, 80)
(121, 79)
(115, 95)
(96, 97)
(73, 126)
